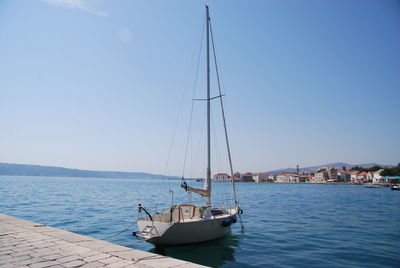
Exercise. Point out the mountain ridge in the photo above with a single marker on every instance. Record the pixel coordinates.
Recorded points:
(12, 169)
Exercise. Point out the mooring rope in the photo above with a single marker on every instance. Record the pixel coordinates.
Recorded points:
(117, 234)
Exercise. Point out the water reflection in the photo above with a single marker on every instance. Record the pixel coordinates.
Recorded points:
(214, 253)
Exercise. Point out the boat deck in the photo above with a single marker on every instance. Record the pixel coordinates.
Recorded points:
(28, 244)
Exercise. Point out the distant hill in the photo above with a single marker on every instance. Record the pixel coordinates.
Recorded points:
(36, 170)
(338, 165)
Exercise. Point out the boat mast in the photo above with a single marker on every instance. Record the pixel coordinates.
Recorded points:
(208, 177)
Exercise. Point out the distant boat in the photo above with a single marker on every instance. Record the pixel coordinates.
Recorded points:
(372, 186)
(395, 187)
(189, 223)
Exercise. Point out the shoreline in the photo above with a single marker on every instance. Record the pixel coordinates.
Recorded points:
(214, 181)
(322, 183)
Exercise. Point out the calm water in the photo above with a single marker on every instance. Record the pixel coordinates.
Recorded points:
(286, 224)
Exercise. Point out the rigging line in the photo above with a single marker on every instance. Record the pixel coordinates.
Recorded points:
(187, 140)
(193, 96)
(194, 154)
(179, 114)
(204, 147)
(117, 234)
(173, 135)
(201, 141)
(223, 116)
(217, 154)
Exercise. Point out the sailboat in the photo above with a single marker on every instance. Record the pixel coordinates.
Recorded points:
(191, 223)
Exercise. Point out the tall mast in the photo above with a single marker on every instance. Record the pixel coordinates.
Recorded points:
(208, 178)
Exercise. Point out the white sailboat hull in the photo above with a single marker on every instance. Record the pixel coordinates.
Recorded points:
(179, 233)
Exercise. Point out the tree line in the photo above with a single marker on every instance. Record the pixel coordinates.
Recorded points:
(391, 171)
(388, 171)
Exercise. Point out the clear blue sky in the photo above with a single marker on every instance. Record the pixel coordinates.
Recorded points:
(99, 84)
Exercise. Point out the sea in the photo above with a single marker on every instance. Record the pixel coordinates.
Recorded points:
(286, 225)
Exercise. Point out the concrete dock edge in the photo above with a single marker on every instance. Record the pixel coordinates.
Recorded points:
(28, 244)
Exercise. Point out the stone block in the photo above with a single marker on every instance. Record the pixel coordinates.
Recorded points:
(133, 254)
(93, 265)
(52, 257)
(121, 263)
(44, 264)
(110, 260)
(74, 264)
(89, 253)
(7, 251)
(69, 258)
(96, 257)
(44, 251)
(14, 259)
(28, 262)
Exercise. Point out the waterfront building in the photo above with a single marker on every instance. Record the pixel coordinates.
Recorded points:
(377, 178)
(222, 177)
(248, 177)
(320, 176)
(294, 178)
(282, 178)
(305, 178)
(260, 177)
(287, 177)
(272, 178)
(343, 175)
(332, 174)
(370, 176)
(353, 176)
(362, 177)
(391, 179)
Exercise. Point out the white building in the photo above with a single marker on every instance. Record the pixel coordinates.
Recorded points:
(320, 177)
(222, 177)
(272, 178)
(294, 178)
(260, 177)
(362, 177)
(282, 178)
(353, 176)
(287, 177)
(377, 178)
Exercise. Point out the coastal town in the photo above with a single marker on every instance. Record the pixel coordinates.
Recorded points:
(323, 175)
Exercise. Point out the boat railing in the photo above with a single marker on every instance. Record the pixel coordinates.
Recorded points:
(156, 209)
(161, 208)
(226, 203)
(176, 213)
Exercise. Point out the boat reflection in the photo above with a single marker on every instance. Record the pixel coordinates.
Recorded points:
(213, 253)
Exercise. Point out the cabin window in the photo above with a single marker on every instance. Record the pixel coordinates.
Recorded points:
(216, 212)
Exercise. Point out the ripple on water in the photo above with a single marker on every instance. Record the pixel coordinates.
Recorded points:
(287, 225)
